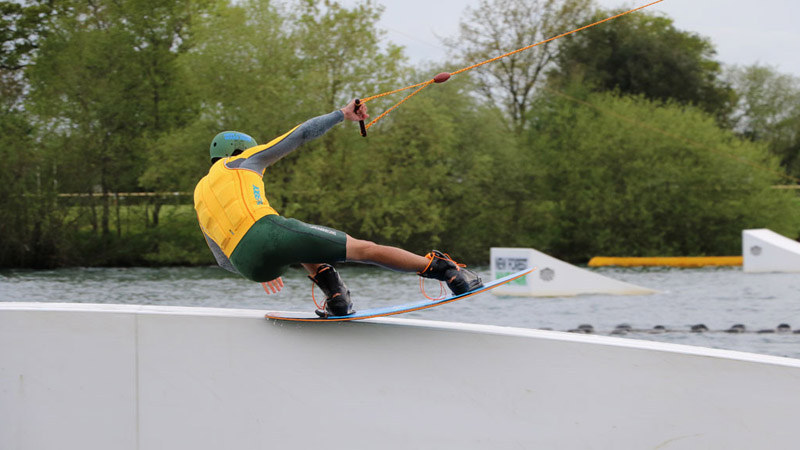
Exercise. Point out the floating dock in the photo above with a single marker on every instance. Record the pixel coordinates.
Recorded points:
(99, 377)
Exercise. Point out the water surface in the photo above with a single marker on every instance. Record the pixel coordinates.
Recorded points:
(715, 297)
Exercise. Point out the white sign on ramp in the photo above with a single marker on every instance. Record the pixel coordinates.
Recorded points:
(553, 277)
(767, 251)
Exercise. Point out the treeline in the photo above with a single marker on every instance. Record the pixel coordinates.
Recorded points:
(628, 138)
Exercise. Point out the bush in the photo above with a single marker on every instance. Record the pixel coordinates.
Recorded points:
(623, 188)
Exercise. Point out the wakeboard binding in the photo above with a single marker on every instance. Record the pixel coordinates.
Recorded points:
(337, 296)
(442, 267)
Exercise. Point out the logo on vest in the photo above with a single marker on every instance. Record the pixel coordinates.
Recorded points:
(257, 195)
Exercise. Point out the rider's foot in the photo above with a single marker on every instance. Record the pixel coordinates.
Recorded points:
(441, 267)
(337, 296)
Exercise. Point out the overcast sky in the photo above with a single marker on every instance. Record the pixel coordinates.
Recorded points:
(743, 31)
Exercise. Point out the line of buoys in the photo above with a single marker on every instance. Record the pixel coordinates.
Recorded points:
(738, 328)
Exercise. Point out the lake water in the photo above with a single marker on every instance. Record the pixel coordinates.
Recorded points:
(715, 297)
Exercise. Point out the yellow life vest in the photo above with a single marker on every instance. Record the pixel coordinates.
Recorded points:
(228, 202)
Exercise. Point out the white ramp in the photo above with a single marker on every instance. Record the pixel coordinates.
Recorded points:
(767, 251)
(125, 377)
(553, 277)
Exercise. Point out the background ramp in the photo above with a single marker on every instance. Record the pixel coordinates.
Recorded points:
(767, 251)
(553, 277)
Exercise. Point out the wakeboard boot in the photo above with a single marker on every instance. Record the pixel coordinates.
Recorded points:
(442, 267)
(337, 296)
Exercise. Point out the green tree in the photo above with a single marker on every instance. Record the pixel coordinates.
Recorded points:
(262, 69)
(623, 188)
(340, 56)
(438, 172)
(340, 53)
(645, 54)
(22, 26)
(236, 69)
(496, 27)
(29, 227)
(19, 207)
(768, 110)
(86, 89)
(104, 85)
(259, 69)
(496, 198)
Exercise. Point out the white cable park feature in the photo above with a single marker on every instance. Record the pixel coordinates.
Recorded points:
(553, 277)
(130, 377)
(767, 251)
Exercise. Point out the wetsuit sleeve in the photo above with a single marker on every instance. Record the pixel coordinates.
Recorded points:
(219, 255)
(264, 156)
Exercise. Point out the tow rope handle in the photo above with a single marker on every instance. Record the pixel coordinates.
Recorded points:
(440, 78)
(360, 122)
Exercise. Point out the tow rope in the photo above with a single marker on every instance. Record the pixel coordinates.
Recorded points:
(444, 76)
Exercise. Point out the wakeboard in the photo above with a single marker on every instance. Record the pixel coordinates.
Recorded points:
(301, 316)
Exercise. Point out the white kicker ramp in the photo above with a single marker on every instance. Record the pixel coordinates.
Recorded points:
(100, 377)
(767, 251)
(553, 277)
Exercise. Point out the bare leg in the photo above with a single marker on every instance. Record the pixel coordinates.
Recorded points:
(391, 257)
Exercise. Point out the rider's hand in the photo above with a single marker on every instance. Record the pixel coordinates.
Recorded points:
(349, 114)
(273, 286)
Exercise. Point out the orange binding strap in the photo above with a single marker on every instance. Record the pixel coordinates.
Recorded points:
(314, 298)
(442, 291)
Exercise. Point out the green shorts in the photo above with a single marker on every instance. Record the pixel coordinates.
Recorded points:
(274, 242)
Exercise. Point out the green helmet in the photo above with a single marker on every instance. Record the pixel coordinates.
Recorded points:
(227, 142)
